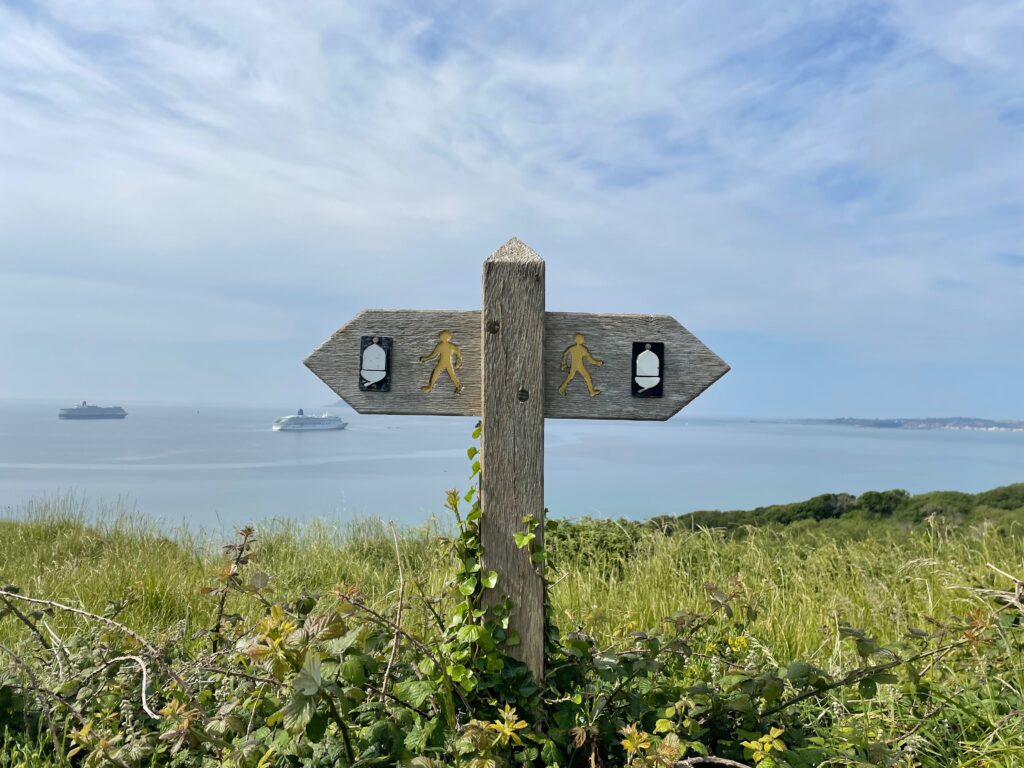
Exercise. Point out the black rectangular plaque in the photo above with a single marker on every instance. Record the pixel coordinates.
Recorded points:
(648, 369)
(375, 363)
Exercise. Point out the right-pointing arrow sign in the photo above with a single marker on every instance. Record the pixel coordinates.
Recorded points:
(624, 367)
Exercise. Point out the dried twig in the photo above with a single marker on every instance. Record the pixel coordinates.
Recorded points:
(1017, 598)
(925, 718)
(240, 552)
(255, 706)
(145, 680)
(165, 668)
(59, 646)
(26, 621)
(701, 760)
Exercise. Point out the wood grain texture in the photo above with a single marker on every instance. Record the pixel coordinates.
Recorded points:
(336, 362)
(689, 366)
(512, 482)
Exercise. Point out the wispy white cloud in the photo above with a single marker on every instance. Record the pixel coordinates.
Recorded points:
(840, 171)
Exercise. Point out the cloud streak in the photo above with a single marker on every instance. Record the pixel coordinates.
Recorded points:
(814, 172)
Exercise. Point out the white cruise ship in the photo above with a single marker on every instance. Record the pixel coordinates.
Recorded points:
(85, 411)
(300, 422)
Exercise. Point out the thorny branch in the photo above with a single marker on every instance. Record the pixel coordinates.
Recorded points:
(154, 652)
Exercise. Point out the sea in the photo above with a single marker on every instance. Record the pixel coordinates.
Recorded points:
(217, 467)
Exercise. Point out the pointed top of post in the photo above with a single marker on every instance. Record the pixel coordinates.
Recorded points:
(515, 250)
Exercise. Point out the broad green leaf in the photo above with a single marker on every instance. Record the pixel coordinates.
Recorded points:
(316, 727)
(309, 679)
(798, 670)
(353, 671)
(866, 646)
(297, 713)
(470, 633)
(457, 672)
(414, 692)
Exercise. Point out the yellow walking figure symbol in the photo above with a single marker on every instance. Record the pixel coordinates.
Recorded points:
(446, 351)
(579, 356)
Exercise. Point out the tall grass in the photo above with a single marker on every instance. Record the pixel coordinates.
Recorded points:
(809, 577)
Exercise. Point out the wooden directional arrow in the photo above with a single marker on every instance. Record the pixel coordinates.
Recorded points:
(414, 334)
(514, 365)
(689, 367)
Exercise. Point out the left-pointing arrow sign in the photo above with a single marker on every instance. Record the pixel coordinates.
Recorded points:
(433, 362)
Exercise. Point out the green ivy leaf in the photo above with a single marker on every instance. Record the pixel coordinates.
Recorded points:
(490, 579)
(470, 633)
(522, 539)
(468, 585)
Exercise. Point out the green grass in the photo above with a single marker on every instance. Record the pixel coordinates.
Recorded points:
(922, 561)
(810, 576)
(57, 549)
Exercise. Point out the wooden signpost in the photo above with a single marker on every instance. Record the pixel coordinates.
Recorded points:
(514, 365)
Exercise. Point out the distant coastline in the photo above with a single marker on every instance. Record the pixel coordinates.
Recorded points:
(955, 422)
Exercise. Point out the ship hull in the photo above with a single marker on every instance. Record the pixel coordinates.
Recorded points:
(308, 427)
(90, 416)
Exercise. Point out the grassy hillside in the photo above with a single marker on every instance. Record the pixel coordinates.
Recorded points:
(883, 561)
(888, 564)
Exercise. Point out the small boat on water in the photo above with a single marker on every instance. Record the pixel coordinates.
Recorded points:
(86, 411)
(300, 422)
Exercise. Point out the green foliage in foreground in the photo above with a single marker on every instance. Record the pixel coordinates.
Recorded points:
(858, 639)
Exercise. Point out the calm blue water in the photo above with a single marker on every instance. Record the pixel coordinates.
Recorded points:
(214, 467)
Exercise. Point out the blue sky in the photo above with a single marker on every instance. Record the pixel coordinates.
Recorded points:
(193, 195)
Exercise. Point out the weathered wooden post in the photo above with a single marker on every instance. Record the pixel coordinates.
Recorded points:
(514, 365)
(512, 483)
